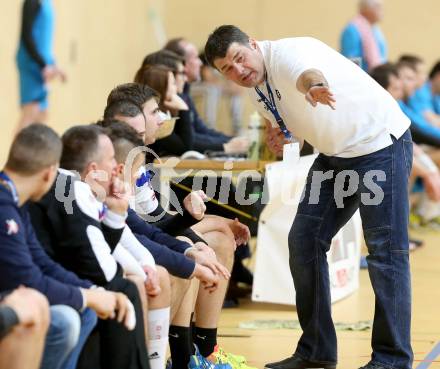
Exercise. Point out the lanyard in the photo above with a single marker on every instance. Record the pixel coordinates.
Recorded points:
(272, 107)
(5, 180)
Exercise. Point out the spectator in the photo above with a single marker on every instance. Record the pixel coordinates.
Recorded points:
(434, 77)
(424, 168)
(362, 40)
(35, 60)
(423, 132)
(425, 100)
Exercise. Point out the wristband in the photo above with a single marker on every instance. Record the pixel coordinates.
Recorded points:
(321, 84)
(84, 298)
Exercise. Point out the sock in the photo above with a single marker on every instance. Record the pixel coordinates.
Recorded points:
(158, 326)
(180, 346)
(206, 340)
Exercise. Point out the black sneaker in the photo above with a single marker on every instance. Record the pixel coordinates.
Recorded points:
(372, 366)
(295, 362)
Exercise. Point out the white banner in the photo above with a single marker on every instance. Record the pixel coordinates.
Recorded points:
(272, 279)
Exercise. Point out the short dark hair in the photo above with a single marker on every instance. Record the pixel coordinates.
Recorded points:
(405, 64)
(202, 57)
(124, 138)
(124, 108)
(35, 148)
(175, 45)
(410, 59)
(435, 70)
(80, 146)
(382, 74)
(124, 99)
(164, 57)
(220, 40)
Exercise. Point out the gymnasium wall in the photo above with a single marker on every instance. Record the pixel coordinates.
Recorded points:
(100, 43)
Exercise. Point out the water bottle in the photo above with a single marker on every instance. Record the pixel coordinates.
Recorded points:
(255, 131)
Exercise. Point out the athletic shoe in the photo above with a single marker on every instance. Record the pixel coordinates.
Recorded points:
(415, 220)
(197, 361)
(220, 356)
(432, 224)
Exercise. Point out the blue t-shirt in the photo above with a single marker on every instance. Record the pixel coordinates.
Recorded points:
(436, 103)
(351, 44)
(422, 100)
(42, 37)
(419, 121)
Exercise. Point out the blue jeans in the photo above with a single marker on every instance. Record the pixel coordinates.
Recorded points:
(381, 195)
(88, 322)
(62, 336)
(66, 336)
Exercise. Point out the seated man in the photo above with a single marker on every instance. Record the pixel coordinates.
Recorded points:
(164, 72)
(81, 232)
(24, 320)
(126, 141)
(423, 131)
(423, 167)
(421, 101)
(434, 84)
(426, 99)
(29, 173)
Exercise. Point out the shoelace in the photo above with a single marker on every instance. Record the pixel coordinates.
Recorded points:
(224, 358)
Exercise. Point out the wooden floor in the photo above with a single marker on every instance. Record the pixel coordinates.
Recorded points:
(264, 346)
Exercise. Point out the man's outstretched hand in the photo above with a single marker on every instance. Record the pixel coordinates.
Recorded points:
(322, 95)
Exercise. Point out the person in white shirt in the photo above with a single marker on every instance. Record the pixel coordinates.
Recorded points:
(305, 89)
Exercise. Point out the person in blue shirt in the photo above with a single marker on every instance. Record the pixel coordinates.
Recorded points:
(35, 61)
(425, 100)
(424, 171)
(419, 100)
(434, 83)
(434, 79)
(362, 40)
(423, 131)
